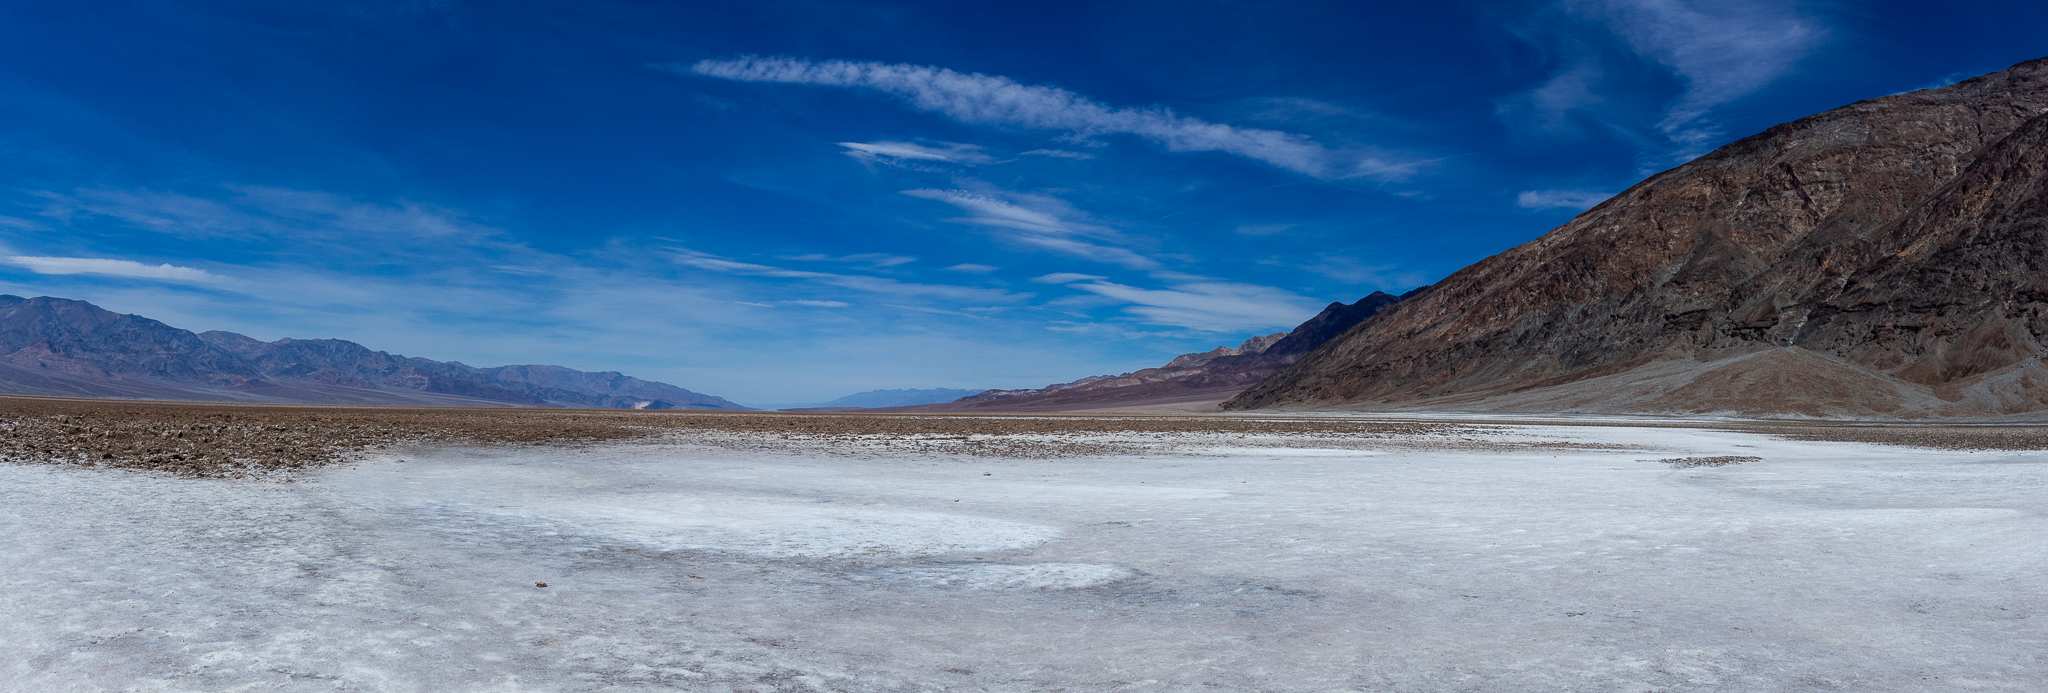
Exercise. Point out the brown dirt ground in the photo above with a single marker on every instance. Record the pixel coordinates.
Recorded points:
(214, 440)
(1946, 437)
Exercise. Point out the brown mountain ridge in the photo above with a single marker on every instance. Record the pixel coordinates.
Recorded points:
(1885, 259)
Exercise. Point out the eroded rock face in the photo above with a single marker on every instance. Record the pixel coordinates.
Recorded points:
(1898, 239)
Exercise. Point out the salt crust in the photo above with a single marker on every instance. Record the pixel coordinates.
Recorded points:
(1817, 566)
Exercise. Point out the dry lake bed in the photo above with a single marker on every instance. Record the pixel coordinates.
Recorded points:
(1233, 554)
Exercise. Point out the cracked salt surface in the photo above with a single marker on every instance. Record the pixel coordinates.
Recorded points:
(1821, 566)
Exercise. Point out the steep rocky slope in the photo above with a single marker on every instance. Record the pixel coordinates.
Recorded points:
(62, 347)
(1199, 377)
(1884, 259)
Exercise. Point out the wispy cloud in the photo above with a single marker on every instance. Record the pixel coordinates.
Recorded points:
(942, 311)
(1263, 229)
(259, 211)
(1723, 50)
(1201, 305)
(113, 268)
(1047, 224)
(1067, 278)
(1059, 154)
(876, 285)
(869, 259)
(811, 303)
(718, 264)
(1356, 273)
(1720, 51)
(988, 210)
(347, 215)
(1549, 108)
(996, 100)
(1210, 306)
(1554, 199)
(170, 213)
(972, 268)
(909, 154)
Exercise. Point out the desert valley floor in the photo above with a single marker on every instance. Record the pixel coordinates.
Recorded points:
(759, 552)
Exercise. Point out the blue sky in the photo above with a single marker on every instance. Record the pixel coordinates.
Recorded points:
(790, 201)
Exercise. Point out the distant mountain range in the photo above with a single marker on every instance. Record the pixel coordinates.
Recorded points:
(876, 399)
(1207, 376)
(1885, 259)
(61, 347)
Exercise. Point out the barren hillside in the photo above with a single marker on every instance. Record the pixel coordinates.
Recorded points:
(1884, 259)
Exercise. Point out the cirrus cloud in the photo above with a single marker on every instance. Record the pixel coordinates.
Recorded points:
(1044, 224)
(876, 285)
(1201, 305)
(112, 268)
(990, 99)
(1717, 52)
(1067, 278)
(909, 154)
(1724, 50)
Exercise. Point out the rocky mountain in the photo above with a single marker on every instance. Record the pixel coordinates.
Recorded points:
(1189, 378)
(62, 347)
(1884, 259)
(1255, 345)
